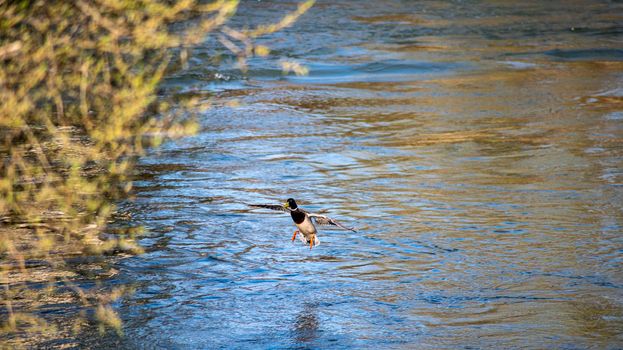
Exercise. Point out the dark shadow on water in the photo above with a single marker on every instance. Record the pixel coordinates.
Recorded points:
(306, 326)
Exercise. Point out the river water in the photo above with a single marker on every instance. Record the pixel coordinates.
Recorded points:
(476, 146)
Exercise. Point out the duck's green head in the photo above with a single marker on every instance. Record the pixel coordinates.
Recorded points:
(290, 203)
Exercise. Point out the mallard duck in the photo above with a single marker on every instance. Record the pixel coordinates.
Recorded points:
(302, 220)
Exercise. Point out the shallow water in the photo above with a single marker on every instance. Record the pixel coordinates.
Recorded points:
(476, 146)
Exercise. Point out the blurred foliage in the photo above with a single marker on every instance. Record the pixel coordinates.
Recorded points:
(79, 89)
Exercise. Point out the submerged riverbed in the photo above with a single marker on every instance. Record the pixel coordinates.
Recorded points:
(476, 146)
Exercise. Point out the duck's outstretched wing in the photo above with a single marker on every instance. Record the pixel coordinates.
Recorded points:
(270, 206)
(325, 220)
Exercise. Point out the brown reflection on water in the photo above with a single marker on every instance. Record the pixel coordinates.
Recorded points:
(306, 324)
(515, 161)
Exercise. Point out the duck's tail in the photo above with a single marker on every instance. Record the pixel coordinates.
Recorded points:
(306, 241)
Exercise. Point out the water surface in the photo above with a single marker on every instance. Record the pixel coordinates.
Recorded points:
(477, 147)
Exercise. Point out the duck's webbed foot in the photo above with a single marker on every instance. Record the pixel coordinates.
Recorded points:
(294, 235)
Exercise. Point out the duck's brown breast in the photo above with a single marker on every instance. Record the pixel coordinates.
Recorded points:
(297, 216)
